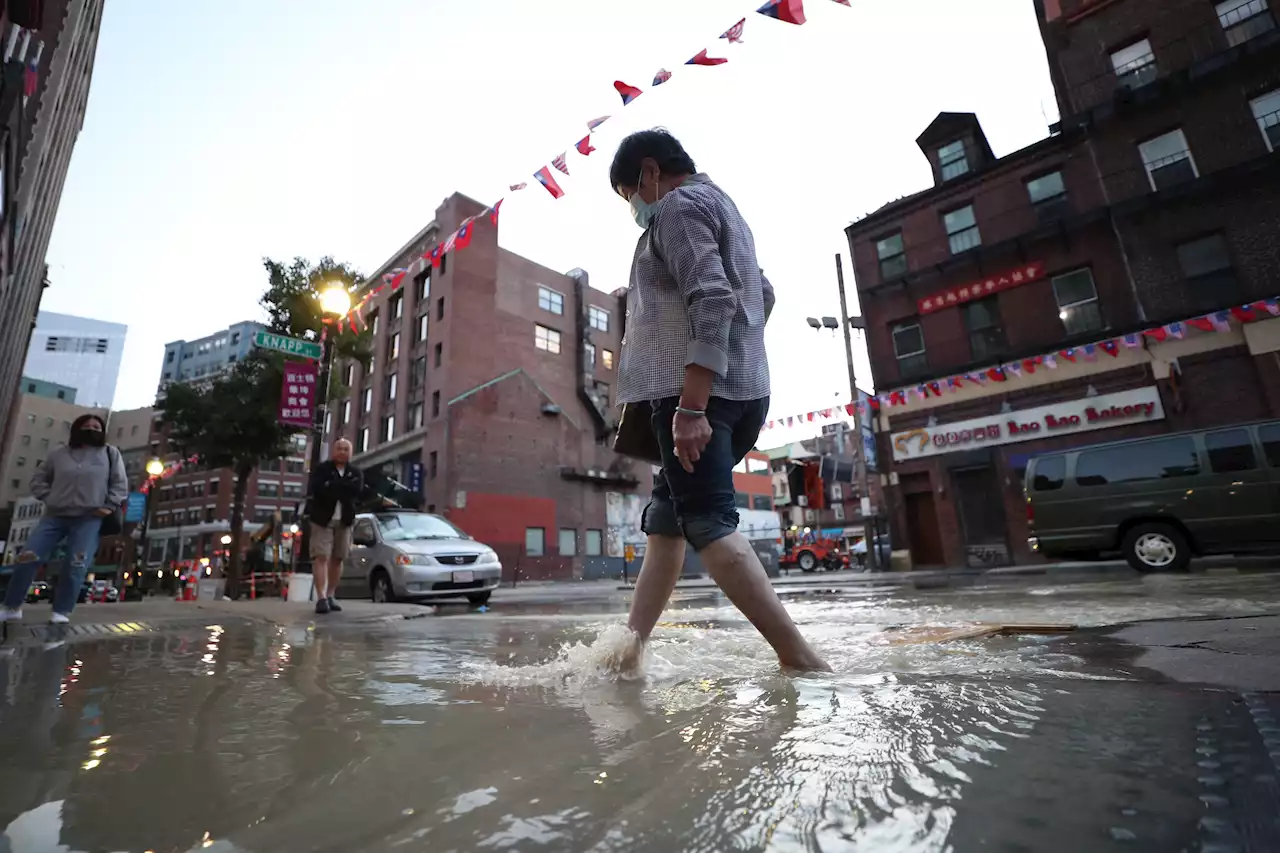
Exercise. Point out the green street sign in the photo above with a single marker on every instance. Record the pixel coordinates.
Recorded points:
(288, 346)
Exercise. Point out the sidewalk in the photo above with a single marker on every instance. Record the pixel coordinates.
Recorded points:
(1234, 653)
(165, 612)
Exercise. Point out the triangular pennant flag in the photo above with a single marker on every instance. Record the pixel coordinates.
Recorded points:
(544, 177)
(561, 163)
(397, 280)
(810, 416)
(701, 58)
(1244, 314)
(493, 211)
(1158, 335)
(1131, 341)
(1051, 361)
(584, 145)
(789, 11)
(1090, 352)
(953, 383)
(996, 374)
(1176, 330)
(1221, 321)
(1015, 368)
(1204, 324)
(769, 425)
(790, 421)
(734, 33)
(844, 3)
(515, 188)
(1272, 306)
(661, 77)
(1111, 348)
(628, 93)
(1030, 365)
(596, 122)
(849, 408)
(1069, 355)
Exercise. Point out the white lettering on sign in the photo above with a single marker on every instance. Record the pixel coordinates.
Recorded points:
(1092, 413)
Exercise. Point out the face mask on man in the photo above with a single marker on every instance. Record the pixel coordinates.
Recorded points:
(641, 210)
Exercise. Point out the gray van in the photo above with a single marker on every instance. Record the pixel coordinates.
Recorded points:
(1159, 500)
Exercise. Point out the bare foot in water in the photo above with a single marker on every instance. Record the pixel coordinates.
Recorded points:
(622, 655)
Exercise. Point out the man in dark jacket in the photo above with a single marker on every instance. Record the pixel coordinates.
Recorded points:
(334, 488)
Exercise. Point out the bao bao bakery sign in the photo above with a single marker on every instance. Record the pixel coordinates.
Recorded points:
(986, 287)
(1123, 408)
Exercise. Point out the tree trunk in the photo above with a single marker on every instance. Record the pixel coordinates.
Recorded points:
(235, 569)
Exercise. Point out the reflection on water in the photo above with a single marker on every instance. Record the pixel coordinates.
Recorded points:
(507, 733)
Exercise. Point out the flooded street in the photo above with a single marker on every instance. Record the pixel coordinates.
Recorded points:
(497, 731)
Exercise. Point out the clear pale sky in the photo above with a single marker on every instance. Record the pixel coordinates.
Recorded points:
(220, 132)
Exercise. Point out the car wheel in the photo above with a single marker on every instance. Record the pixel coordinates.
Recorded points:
(1156, 547)
(807, 561)
(380, 588)
(479, 598)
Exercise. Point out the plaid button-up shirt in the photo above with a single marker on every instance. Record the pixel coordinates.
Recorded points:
(696, 296)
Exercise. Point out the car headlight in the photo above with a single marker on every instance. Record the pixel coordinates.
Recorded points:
(415, 560)
(488, 555)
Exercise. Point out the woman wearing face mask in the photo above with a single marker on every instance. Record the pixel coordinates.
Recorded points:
(81, 483)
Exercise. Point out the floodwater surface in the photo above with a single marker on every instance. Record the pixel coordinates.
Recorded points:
(501, 731)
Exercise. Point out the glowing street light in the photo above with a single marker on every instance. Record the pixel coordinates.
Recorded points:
(155, 467)
(335, 299)
(226, 539)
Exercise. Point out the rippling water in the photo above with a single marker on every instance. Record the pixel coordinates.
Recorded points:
(506, 732)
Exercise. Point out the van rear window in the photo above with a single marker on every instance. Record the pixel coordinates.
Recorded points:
(1132, 463)
(1050, 473)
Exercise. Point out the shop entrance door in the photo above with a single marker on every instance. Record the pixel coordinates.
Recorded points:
(922, 530)
(982, 520)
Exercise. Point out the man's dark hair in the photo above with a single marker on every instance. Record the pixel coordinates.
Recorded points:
(658, 144)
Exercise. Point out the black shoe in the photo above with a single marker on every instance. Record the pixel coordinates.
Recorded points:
(334, 606)
(322, 606)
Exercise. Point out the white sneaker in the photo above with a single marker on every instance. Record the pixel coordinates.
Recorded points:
(59, 619)
(8, 615)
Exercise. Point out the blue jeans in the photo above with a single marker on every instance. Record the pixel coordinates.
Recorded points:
(702, 506)
(81, 534)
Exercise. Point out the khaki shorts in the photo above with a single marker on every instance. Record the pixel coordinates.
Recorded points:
(329, 542)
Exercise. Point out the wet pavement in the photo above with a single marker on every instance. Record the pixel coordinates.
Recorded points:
(468, 731)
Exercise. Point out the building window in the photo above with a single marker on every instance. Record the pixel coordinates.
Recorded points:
(440, 306)
(424, 287)
(362, 440)
(1244, 19)
(1048, 194)
(837, 512)
(606, 358)
(1168, 160)
(982, 319)
(952, 160)
(393, 347)
(761, 502)
(568, 543)
(269, 490)
(550, 300)
(26, 441)
(415, 416)
(908, 346)
(1266, 110)
(962, 230)
(435, 404)
(535, 541)
(597, 318)
(1077, 302)
(439, 354)
(444, 263)
(373, 324)
(594, 543)
(391, 387)
(1206, 264)
(546, 339)
(433, 464)
(1135, 65)
(396, 308)
(589, 357)
(423, 323)
(346, 412)
(418, 373)
(742, 500)
(388, 428)
(366, 401)
(892, 253)
(21, 461)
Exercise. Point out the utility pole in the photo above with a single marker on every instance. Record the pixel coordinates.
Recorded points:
(868, 522)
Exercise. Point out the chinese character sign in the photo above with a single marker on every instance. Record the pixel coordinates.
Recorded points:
(977, 290)
(298, 394)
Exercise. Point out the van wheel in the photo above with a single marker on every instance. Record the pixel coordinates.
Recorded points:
(807, 561)
(1156, 547)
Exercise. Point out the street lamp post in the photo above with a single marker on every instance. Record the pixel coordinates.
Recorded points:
(154, 469)
(335, 301)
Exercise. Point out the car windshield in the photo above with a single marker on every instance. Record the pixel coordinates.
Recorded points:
(401, 527)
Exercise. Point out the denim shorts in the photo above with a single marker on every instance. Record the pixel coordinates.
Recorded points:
(702, 506)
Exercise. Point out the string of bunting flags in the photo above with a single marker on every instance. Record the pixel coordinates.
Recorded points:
(786, 11)
(169, 470)
(1215, 322)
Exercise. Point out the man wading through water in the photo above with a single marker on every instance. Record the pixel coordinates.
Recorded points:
(694, 351)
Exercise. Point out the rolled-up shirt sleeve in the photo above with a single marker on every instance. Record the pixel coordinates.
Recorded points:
(688, 237)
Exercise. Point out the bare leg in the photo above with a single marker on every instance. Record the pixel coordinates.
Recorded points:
(320, 576)
(335, 575)
(736, 569)
(663, 560)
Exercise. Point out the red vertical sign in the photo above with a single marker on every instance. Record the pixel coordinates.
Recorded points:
(298, 394)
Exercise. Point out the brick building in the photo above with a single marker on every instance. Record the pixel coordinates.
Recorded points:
(1020, 291)
(490, 389)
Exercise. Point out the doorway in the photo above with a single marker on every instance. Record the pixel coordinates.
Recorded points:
(924, 539)
(982, 521)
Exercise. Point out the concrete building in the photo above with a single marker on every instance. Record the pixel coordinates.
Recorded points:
(207, 357)
(491, 388)
(135, 432)
(79, 353)
(1105, 265)
(25, 514)
(41, 424)
(37, 135)
(52, 390)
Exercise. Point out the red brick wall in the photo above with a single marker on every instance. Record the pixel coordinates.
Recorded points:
(499, 521)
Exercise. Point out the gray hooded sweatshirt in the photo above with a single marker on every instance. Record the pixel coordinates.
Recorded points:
(78, 480)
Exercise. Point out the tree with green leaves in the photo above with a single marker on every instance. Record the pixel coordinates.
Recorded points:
(233, 420)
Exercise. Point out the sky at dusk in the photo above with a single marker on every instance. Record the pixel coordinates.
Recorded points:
(221, 132)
